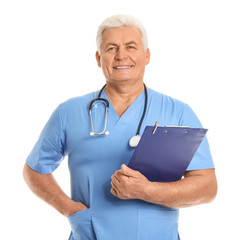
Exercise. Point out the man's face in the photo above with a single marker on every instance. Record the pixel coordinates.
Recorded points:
(122, 56)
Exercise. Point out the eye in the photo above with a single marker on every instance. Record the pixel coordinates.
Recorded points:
(131, 47)
(111, 49)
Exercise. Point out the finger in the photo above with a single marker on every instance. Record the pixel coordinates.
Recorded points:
(117, 176)
(115, 184)
(114, 189)
(114, 177)
(128, 171)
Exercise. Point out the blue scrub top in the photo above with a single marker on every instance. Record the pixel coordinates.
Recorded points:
(93, 160)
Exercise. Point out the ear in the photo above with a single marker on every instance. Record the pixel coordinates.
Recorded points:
(148, 56)
(97, 56)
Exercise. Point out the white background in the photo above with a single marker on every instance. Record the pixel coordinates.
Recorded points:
(47, 55)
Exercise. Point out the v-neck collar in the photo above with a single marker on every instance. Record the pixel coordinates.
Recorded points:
(127, 115)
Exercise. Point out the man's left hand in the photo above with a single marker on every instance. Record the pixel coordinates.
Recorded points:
(129, 184)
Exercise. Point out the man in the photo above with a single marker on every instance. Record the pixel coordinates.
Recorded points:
(109, 200)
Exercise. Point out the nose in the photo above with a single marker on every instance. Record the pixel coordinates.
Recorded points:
(121, 54)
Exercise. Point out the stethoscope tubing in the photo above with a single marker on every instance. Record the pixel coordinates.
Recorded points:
(144, 111)
(99, 99)
(107, 107)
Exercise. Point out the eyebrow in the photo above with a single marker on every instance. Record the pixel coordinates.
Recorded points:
(110, 44)
(130, 43)
(116, 45)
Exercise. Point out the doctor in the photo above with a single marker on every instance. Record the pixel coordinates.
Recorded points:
(109, 200)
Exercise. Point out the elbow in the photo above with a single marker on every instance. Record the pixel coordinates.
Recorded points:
(210, 198)
(27, 174)
(212, 191)
(213, 196)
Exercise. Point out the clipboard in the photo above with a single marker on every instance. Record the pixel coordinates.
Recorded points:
(164, 153)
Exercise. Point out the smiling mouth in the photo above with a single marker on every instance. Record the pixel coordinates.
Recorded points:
(122, 67)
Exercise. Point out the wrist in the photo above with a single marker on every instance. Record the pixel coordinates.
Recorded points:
(148, 192)
(72, 207)
(152, 192)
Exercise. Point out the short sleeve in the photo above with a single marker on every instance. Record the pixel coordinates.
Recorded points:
(48, 151)
(202, 158)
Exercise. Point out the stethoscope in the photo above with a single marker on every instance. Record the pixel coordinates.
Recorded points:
(133, 142)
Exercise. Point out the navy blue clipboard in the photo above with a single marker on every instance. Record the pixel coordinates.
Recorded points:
(165, 155)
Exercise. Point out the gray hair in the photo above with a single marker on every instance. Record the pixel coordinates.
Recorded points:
(120, 21)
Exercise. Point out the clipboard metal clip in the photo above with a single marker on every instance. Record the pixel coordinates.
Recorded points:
(168, 126)
(184, 127)
(155, 127)
(171, 126)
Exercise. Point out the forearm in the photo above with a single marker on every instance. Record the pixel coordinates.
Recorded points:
(46, 188)
(192, 190)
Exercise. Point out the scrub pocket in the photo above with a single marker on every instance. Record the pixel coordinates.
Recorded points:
(81, 224)
(156, 224)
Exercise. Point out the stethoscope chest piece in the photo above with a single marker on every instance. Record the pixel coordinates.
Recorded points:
(134, 141)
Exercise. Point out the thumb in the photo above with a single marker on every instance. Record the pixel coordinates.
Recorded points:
(128, 171)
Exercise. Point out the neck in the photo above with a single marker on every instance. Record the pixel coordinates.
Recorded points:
(122, 96)
(124, 91)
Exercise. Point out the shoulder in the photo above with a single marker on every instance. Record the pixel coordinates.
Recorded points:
(172, 110)
(165, 100)
(78, 102)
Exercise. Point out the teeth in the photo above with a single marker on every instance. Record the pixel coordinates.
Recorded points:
(122, 67)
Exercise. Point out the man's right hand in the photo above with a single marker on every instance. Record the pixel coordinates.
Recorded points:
(46, 188)
(74, 208)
